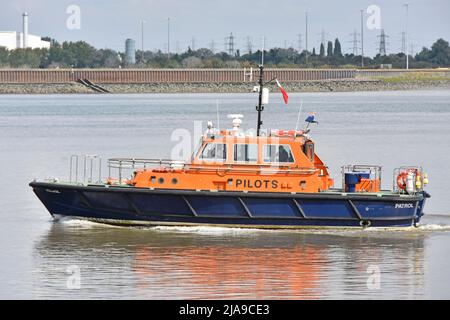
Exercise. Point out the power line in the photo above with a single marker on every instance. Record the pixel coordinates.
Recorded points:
(299, 42)
(212, 46)
(355, 41)
(323, 38)
(362, 38)
(382, 43)
(142, 39)
(404, 42)
(249, 45)
(229, 44)
(306, 37)
(406, 35)
(168, 37)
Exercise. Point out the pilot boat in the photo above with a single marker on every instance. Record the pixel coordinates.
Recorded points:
(234, 179)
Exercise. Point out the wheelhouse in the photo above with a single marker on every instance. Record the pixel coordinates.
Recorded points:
(273, 150)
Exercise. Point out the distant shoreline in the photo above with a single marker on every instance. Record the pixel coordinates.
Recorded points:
(303, 86)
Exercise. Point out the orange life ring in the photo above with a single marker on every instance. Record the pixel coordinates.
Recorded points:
(401, 180)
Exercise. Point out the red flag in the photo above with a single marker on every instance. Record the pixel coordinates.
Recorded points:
(283, 92)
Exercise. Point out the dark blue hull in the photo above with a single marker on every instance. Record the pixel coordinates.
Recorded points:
(139, 206)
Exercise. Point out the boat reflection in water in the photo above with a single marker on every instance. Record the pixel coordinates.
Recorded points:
(213, 263)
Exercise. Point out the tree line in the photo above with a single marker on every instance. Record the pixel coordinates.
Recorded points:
(82, 55)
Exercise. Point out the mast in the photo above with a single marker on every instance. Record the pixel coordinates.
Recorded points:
(260, 107)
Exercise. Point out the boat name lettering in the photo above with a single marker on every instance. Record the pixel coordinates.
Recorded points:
(257, 184)
(52, 191)
(404, 206)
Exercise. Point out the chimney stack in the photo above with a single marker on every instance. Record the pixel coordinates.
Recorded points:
(25, 30)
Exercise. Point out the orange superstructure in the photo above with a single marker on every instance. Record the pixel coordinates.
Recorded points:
(228, 160)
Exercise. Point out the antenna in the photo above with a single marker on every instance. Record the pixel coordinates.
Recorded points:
(142, 40)
(298, 116)
(404, 42)
(406, 35)
(362, 38)
(262, 52)
(299, 43)
(260, 107)
(168, 37)
(306, 37)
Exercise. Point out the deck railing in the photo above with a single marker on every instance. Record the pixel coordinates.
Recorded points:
(85, 169)
(373, 170)
(122, 166)
(417, 173)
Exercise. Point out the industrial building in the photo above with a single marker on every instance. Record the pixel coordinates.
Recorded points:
(14, 40)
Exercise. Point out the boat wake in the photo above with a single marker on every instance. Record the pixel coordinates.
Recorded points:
(213, 230)
(219, 230)
(434, 227)
(77, 222)
(209, 230)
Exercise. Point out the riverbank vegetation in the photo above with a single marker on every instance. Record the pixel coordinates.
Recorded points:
(82, 55)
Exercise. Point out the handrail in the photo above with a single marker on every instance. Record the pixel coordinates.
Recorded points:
(373, 170)
(167, 164)
(262, 170)
(132, 162)
(88, 163)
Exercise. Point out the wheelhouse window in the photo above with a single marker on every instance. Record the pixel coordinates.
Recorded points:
(245, 152)
(214, 152)
(278, 153)
(308, 149)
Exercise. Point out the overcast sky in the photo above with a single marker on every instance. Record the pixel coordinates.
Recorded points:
(107, 23)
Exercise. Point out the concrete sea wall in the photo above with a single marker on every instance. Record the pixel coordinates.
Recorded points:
(217, 80)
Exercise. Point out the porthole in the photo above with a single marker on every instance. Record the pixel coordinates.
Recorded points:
(174, 181)
(161, 180)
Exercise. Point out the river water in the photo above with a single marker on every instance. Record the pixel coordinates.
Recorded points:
(40, 258)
